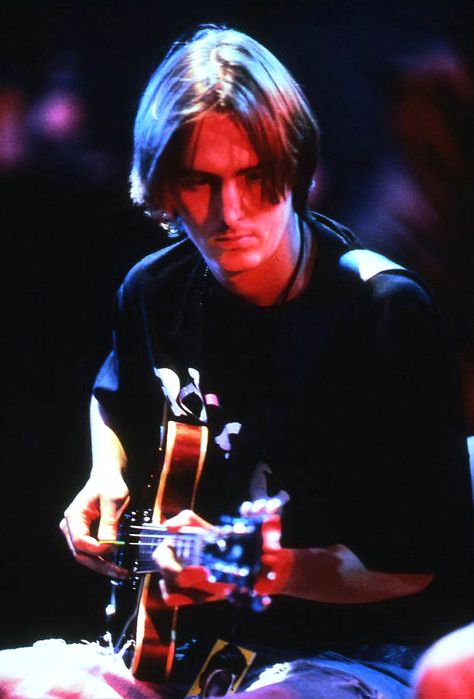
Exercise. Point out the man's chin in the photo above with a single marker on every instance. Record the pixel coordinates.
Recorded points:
(233, 264)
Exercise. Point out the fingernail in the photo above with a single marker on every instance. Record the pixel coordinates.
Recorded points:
(259, 505)
(245, 507)
(274, 504)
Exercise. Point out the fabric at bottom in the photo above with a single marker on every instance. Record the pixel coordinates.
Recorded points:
(53, 668)
(330, 676)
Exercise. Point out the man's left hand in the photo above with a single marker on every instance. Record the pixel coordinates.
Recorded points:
(191, 585)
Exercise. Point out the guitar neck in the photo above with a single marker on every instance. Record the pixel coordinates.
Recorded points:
(187, 545)
(230, 551)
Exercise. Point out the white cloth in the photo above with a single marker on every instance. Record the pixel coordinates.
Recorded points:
(53, 668)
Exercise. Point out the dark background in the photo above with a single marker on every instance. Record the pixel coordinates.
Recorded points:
(391, 84)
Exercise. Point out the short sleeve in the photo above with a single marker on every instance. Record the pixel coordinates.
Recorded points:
(126, 385)
(412, 472)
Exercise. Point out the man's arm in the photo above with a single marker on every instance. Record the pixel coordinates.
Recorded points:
(332, 574)
(101, 501)
(335, 575)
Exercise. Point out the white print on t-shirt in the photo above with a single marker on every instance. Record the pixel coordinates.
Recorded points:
(223, 439)
(176, 396)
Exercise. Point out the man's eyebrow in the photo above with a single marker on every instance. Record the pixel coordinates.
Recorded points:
(250, 170)
(192, 172)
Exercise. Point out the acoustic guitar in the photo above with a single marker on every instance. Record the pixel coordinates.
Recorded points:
(137, 616)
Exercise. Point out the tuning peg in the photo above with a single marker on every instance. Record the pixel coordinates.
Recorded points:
(246, 598)
(245, 509)
(259, 603)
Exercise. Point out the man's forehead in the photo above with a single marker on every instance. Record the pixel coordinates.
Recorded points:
(217, 142)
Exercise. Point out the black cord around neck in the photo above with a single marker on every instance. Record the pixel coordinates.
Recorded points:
(283, 298)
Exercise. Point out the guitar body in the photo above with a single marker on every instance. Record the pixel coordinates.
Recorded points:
(151, 623)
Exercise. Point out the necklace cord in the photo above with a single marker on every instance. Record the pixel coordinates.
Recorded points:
(297, 269)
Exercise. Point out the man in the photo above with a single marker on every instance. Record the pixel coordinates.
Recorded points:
(321, 371)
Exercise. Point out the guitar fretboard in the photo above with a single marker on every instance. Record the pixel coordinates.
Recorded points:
(186, 545)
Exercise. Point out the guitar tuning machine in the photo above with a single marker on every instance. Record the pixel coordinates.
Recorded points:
(247, 598)
(259, 603)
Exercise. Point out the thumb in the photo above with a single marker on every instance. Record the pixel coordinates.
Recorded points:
(111, 509)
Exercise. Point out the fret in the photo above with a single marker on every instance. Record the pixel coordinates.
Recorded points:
(148, 536)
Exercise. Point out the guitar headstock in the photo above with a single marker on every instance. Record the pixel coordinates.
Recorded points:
(232, 550)
(232, 555)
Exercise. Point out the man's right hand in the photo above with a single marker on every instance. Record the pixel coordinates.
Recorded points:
(101, 501)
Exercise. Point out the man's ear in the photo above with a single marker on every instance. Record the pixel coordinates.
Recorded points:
(167, 215)
(169, 204)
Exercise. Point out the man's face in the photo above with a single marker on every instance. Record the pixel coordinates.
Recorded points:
(218, 196)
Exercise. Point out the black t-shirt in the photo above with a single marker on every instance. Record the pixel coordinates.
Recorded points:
(343, 401)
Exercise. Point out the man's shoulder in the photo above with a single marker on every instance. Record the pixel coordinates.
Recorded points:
(372, 273)
(385, 278)
(166, 263)
(332, 232)
(402, 286)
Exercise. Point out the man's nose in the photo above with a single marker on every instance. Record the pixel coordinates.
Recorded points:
(231, 203)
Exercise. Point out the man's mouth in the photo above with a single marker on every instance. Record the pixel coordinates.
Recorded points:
(229, 241)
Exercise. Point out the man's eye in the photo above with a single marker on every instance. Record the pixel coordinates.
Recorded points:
(253, 176)
(192, 183)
